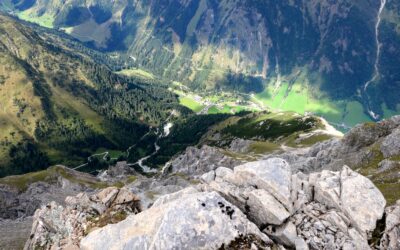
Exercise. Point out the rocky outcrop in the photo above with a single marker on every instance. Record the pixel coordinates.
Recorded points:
(21, 195)
(260, 203)
(195, 162)
(119, 172)
(360, 147)
(59, 227)
(203, 220)
(15, 203)
(391, 235)
(391, 144)
(266, 204)
(337, 209)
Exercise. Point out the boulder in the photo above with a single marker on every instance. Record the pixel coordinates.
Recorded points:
(62, 227)
(285, 234)
(326, 185)
(264, 209)
(197, 221)
(386, 165)
(106, 196)
(391, 144)
(198, 161)
(360, 200)
(391, 236)
(125, 197)
(208, 177)
(300, 244)
(351, 193)
(223, 173)
(273, 175)
(232, 193)
(174, 196)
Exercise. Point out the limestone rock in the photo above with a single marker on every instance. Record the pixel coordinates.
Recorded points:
(208, 177)
(58, 227)
(264, 209)
(365, 134)
(386, 165)
(196, 162)
(174, 196)
(300, 244)
(273, 175)
(285, 234)
(326, 188)
(391, 236)
(197, 221)
(391, 144)
(351, 193)
(361, 200)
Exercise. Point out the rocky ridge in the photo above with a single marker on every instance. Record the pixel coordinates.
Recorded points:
(303, 198)
(61, 227)
(257, 205)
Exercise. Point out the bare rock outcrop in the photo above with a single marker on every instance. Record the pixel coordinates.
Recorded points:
(391, 236)
(197, 161)
(59, 227)
(335, 209)
(261, 205)
(202, 220)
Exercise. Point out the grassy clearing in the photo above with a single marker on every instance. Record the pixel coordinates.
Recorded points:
(66, 100)
(239, 156)
(140, 73)
(44, 20)
(191, 103)
(22, 182)
(297, 96)
(315, 139)
(260, 147)
(354, 114)
(111, 153)
(213, 110)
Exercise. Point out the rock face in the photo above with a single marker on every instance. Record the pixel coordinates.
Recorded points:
(391, 144)
(195, 221)
(391, 236)
(334, 209)
(360, 200)
(20, 196)
(16, 204)
(262, 201)
(266, 204)
(273, 175)
(195, 161)
(58, 227)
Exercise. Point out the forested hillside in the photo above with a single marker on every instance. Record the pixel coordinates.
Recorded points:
(59, 106)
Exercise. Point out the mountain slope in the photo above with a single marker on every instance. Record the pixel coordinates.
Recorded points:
(338, 59)
(54, 100)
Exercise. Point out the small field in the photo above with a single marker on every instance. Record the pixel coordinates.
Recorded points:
(45, 20)
(191, 103)
(137, 73)
(297, 98)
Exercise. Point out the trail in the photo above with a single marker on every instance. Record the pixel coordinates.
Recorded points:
(376, 73)
(145, 168)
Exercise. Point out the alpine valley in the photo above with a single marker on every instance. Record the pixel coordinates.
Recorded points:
(199, 124)
(338, 59)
